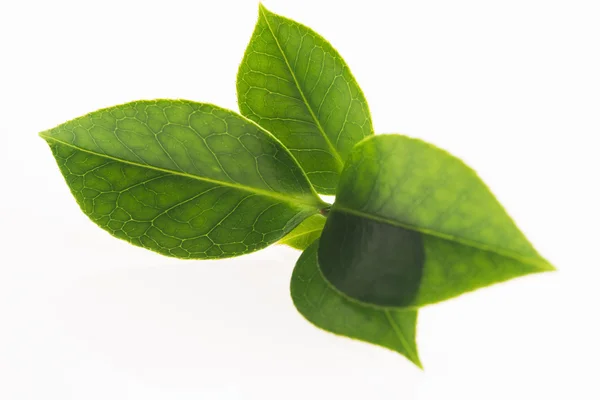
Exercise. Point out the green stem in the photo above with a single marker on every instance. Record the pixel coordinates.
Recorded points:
(325, 211)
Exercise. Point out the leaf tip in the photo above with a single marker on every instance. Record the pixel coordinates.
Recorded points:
(413, 357)
(549, 268)
(545, 266)
(264, 11)
(44, 135)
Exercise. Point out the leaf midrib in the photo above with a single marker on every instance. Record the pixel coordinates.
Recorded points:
(317, 205)
(536, 262)
(332, 148)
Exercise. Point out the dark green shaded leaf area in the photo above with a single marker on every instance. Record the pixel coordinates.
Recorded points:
(304, 234)
(184, 179)
(413, 225)
(379, 260)
(323, 306)
(296, 85)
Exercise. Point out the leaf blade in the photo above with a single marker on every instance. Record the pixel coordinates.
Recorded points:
(188, 167)
(397, 181)
(292, 81)
(325, 308)
(304, 234)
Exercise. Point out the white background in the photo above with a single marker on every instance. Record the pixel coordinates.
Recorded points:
(512, 87)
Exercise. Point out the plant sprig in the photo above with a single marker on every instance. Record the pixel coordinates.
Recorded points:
(411, 225)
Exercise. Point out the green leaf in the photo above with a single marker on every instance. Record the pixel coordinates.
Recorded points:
(413, 225)
(297, 86)
(304, 234)
(328, 310)
(184, 179)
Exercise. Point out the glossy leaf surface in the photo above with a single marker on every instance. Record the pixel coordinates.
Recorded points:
(327, 309)
(402, 200)
(184, 179)
(296, 85)
(304, 234)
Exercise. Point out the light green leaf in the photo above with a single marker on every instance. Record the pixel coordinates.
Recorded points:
(297, 86)
(184, 179)
(328, 310)
(304, 234)
(413, 225)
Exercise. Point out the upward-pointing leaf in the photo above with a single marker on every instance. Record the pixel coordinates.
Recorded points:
(184, 179)
(413, 225)
(296, 85)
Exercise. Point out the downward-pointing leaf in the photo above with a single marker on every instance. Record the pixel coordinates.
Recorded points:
(413, 225)
(304, 234)
(329, 310)
(296, 85)
(184, 179)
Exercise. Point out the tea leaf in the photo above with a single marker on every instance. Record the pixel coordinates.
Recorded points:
(304, 234)
(413, 225)
(297, 86)
(184, 179)
(328, 310)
